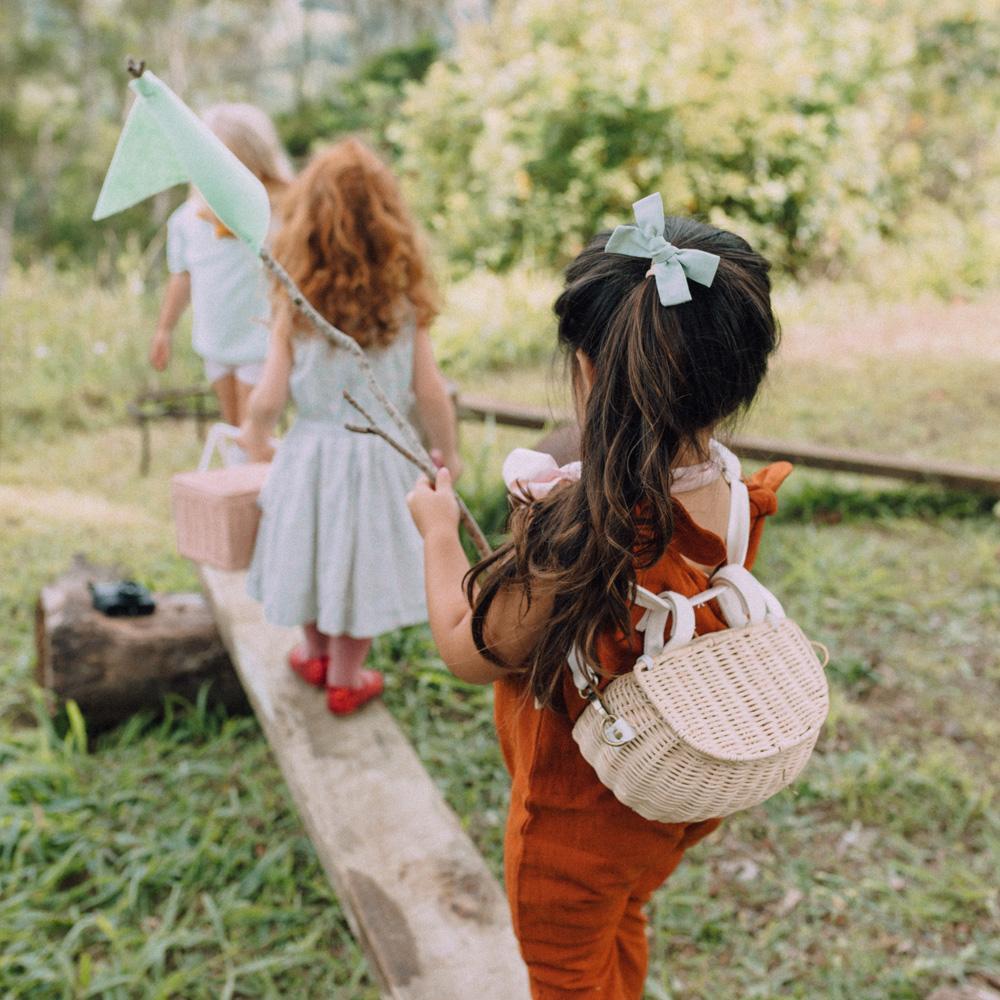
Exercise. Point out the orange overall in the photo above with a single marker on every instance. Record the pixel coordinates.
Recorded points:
(579, 865)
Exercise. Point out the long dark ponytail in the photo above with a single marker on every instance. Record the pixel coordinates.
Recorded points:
(662, 377)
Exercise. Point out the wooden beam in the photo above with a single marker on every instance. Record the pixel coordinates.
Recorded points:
(428, 913)
(869, 463)
(510, 415)
(948, 474)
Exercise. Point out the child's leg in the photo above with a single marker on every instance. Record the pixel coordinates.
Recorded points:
(347, 654)
(242, 392)
(316, 641)
(225, 392)
(577, 908)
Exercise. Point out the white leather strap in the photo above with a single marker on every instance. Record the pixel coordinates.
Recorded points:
(741, 601)
(221, 438)
(583, 677)
(218, 435)
(738, 529)
(653, 624)
(744, 600)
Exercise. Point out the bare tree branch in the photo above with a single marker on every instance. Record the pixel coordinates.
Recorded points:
(427, 468)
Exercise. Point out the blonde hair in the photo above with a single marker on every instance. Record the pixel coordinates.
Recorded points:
(251, 135)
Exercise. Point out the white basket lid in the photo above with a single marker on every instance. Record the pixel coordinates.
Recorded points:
(740, 694)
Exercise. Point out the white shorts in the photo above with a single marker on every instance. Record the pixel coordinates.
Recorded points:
(247, 374)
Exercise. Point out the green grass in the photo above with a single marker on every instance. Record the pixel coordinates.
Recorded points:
(164, 858)
(168, 861)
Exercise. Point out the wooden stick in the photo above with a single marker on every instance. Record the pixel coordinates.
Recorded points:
(419, 454)
(428, 469)
(413, 450)
(389, 440)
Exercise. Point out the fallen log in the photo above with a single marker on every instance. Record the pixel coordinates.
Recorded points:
(113, 667)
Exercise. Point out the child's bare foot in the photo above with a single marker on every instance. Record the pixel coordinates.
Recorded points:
(346, 700)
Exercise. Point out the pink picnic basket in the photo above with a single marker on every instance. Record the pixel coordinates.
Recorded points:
(215, 510)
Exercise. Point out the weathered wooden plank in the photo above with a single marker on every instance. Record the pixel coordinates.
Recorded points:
(430, 916)
(508, 414)
(952, 475)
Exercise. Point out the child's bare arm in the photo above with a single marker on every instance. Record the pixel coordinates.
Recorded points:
(269, 395)
(512, 626)
(434, 406)
(175, 301)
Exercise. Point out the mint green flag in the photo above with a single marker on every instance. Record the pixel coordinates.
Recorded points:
(165, 143)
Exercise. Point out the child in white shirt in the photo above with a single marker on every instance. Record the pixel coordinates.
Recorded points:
(219, 275)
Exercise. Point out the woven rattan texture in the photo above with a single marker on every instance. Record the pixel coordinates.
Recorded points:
(722, 723)
(216, 530)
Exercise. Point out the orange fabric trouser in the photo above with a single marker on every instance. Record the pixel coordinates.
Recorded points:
(579, 917)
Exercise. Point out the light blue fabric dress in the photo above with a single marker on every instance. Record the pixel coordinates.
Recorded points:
(336, 544)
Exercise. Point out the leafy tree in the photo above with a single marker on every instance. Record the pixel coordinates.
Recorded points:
(815, 127)
(366, 101)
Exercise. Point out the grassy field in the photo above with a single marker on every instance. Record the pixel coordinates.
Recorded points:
(164, 859)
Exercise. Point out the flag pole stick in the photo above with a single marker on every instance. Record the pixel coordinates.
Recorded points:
(413, 449)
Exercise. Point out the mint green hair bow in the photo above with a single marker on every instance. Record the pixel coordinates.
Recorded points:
(671, 265)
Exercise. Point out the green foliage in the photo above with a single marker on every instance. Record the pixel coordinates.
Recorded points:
(63, 91)
(365, 102)
(74, 353)
(160, 866)
(828, 502)
(493, 322)
(165, 858)
(815, 129)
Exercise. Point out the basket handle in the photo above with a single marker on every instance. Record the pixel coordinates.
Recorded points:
(653, 623)
(743, 599)
(217, 435)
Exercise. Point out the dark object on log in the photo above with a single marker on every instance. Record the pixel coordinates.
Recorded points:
(112, 667)
(121, 599)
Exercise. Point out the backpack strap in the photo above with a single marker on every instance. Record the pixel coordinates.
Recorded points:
(738, 529)
(583, 677)
(741, 598)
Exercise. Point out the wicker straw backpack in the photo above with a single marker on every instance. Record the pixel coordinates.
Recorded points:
(707, 725)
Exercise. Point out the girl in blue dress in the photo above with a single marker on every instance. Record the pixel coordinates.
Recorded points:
(336, 551)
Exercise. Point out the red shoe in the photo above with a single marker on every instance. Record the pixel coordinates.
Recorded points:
(345, 701)
(312, 669)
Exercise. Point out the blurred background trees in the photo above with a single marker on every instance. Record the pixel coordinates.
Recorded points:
(816, 127)
(820, 128)
(323, 65)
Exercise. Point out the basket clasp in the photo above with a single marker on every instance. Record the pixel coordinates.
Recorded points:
(617, 732)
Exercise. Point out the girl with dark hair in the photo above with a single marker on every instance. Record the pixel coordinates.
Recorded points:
(668, 328)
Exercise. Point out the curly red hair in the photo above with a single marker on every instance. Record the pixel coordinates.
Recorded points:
(350, 243)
